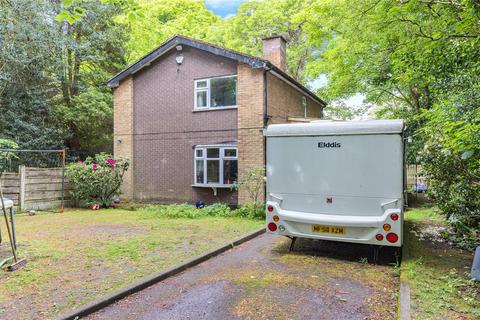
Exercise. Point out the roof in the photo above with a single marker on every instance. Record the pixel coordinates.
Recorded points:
(333, 128)
(252, 61)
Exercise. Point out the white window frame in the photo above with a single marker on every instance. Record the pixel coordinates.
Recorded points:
(221, 158)
(207, 89)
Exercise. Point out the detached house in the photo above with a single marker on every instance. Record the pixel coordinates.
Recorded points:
(189, 116)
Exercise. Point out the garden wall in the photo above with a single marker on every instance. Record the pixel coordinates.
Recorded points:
(35, 188)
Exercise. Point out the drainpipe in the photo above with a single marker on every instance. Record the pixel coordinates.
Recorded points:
(265, 98)
(265, 123)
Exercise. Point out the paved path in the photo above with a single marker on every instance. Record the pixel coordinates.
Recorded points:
(261, 279)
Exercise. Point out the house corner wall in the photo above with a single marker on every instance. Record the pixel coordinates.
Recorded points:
(123, 131)
(250, 100)
(285, 101)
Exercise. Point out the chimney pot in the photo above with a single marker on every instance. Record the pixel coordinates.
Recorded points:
(274, 50)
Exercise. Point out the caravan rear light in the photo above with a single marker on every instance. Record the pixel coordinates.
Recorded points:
(272, 227)
(275, 218)
(392, 237)
(387, 227)
(270, 208)
(379, 237)
(394, 216)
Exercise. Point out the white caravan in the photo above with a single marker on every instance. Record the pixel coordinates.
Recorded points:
(336, 180)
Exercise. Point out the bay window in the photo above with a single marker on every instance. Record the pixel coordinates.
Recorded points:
(218, 92)
(216, 165)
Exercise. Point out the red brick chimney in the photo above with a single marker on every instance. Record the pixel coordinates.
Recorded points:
(274, 50)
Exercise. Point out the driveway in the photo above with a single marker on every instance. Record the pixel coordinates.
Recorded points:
(262, 279)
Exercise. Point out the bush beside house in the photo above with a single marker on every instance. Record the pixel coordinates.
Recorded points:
(96, 180)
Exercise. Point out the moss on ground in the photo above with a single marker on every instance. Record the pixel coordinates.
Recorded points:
(284, 284)
(80, 255)
(437, 272)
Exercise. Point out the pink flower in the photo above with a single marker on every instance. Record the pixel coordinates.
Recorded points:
(111, 162)
(81, 162)
(94, 166)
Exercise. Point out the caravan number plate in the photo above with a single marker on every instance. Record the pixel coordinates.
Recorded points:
(329, 229)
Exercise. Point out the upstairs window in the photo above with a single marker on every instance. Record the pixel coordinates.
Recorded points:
(218, 92)
(216, 165)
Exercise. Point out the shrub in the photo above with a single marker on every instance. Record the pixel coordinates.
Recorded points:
(253, 183)
(5, 156)
(97, 179)
(215, 210)
(451, 159)
(250, 211)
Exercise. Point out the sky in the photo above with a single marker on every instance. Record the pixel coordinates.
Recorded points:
(223, 8)
(228, 8)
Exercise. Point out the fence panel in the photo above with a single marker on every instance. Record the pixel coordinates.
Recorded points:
(35, 188)
(11, 186)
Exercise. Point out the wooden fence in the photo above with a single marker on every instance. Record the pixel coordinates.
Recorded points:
(35, 188)
(414, 173)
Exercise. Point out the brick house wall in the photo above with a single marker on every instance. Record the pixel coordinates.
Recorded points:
(157, 128)
(285, 101)
(167, 128)
(250, 100)
(123, 131)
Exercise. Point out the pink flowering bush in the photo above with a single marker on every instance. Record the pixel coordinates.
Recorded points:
(96, 180)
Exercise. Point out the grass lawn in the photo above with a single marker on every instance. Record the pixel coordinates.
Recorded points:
(437, 273)
(80, 255)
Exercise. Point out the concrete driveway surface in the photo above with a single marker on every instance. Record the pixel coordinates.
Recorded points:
(262, 279)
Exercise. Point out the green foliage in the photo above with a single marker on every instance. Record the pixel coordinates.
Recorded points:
(190, 211)
(74, 10)
(164, 19)
(90, 114)
(97, 180)
(92, 49)
(258, 19)
(242, 32)
(214, 210)
(420, 61)
(28, 57)
(253, 182)
(6, 156)
(451, 158)
(7, 144)
(436, 271)
(52, 74)
(251, 211)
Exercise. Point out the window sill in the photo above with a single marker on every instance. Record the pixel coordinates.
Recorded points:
(225, 186)
(214, 109)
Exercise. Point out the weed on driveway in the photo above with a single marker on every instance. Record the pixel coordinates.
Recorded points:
(261, 279)
(80, 255)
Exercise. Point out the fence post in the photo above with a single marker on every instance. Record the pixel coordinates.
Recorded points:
(23, 178)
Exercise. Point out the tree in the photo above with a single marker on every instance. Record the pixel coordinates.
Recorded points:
(164, 19)
(92, 49)
(28, 54)
(418, 60)
(258, 19)
(51, 84)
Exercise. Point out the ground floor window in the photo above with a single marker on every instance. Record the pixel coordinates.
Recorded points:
(216, 165)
